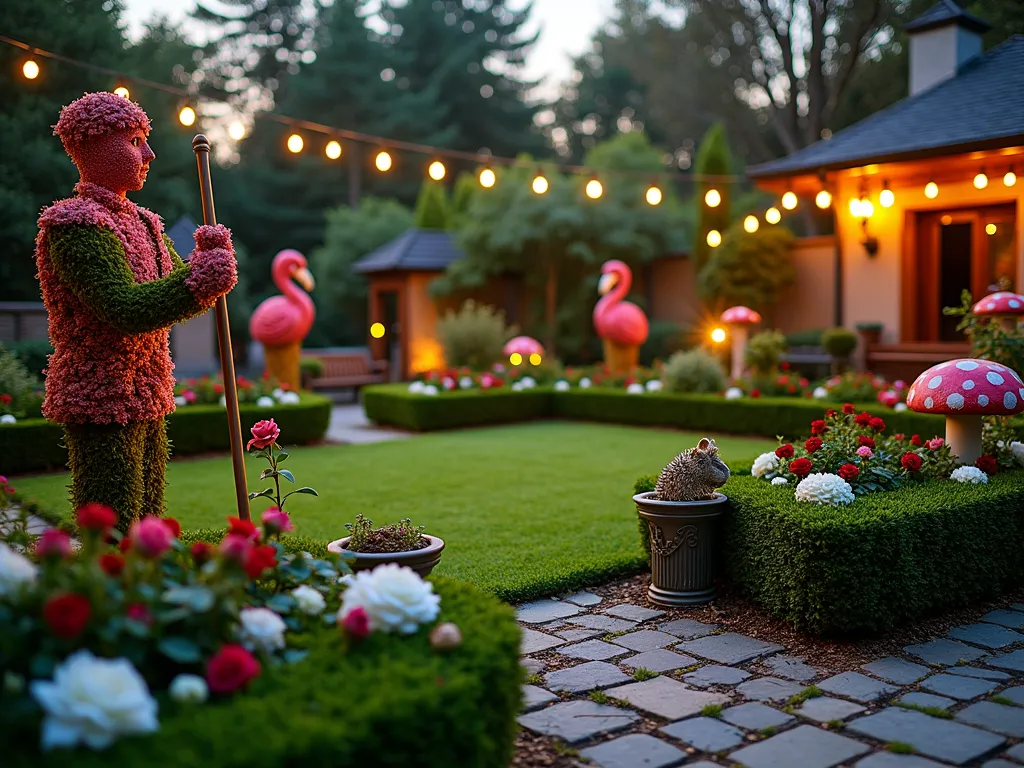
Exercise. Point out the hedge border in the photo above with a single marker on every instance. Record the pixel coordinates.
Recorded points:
(33, 445)
(390, 701)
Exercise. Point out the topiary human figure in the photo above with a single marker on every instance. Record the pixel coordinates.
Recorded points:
(113, 287)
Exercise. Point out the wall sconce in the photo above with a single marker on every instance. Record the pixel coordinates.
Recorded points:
(863, 209)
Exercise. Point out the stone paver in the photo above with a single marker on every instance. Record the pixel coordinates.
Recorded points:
(755, 717)
(713, 674)
(922, 699)
(932, 736)
(1015, 694)
(1013, 661)
(535, 642)
(533, 666)
(944, 652)
(994, 717)
(769, 689)
(576, 635)
(633, 612)
(999, 764)
(892, 760)
(659, 660)
(987, 674)
(592, 650)
(1017, 752)
(604, 623)
(535, 698)
(986, 635)
(854, 685)
(728, 648)
(585, 599)
(645, 640)
(667, 698)
(637, 750)
(688, 629)
(957, 686)
(349, 424)
(897, 671)
(803, 747)
(585, 677)
(824, 709)
(791, 668)
(705, 733)
(542, 611)
(576, 721)
(1011, 619)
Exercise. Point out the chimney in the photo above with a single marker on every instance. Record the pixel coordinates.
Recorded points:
(942, 40)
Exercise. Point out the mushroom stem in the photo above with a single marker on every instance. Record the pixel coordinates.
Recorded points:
(739, 346)
(963, 434)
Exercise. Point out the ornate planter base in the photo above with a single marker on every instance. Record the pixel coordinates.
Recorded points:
(684, 548)
(422, 561)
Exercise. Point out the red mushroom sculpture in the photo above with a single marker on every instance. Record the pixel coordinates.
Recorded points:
(524, 346)
(1004, 306)
(739, 319)
(964, 391)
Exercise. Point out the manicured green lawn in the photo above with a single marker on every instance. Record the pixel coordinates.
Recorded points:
(525, 510)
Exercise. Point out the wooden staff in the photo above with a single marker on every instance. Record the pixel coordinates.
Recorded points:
(201, 146)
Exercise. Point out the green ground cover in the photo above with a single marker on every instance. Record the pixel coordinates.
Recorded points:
(526, 510)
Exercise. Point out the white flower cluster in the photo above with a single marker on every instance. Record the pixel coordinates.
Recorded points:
(394, 597)
(765, 464)
(1017, 449)
(309, 600)
(968, 475)
(635, 389)
(899, 407)
(527, 382)
(820, 393)
(465, 383)
(261, 629)
(585, 383)
(654, 385)
(733, 393)
(824, 488)
(421, 388)
(285, 397)
(780, 481)
(8, 419)
(189, 689)
(562, 386)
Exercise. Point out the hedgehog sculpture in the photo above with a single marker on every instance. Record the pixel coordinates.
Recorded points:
(693, 475)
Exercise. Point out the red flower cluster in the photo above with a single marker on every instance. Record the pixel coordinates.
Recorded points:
(877, 424)
(987, 464)
(258, 560)
(112, 564)
(356, 623)
(849, 471)
(231, 668)
(784, 451)
(862, 419)
(812, 444)
(243, 528)
(67, 614)
(96, 517)
(800, 467)
(865, 440)
(819, 427)
(910, 462)
(848, 408)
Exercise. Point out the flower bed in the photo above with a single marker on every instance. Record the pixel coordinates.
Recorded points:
(33, 445)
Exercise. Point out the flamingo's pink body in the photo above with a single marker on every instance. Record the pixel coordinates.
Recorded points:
(285, 319)
(615, 320)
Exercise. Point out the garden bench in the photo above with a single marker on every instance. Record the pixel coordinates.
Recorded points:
(344, 370)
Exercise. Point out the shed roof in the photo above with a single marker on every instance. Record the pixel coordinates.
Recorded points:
(415, 250)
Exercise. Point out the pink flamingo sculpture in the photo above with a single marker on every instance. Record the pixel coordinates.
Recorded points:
(620, 324)
(281, 323)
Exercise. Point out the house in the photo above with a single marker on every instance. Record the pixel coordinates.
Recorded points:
(925, 196)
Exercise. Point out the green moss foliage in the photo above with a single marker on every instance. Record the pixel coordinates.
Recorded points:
(388, 702)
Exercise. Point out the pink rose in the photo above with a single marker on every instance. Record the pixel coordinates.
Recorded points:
(236, 547)
(935, 443)
(264, 433)
(138, 612)
(189, 395)
(356, 623)
(277, 521)
(53, 543)
(865, 452)
(151, 536)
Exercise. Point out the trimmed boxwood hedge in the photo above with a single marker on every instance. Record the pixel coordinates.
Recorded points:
(885, 560)
(388, 701)
(33, 445)
(393, 404)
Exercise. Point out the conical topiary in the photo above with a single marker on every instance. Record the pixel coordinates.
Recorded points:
(693, 475)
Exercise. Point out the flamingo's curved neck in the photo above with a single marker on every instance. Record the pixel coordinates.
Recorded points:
(617, 293)
(291, 291)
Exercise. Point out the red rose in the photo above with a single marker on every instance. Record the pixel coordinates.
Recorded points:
(848, 408)
(236, 547)
(218, 389)
(112, 564)
(66, 615)
(800, 467)
(125, 544)
(784, 451)
(791, 389)
(819, 427)
(915, 440)
(849, 471)
(231, 668)
(910, 462)
(243, 528)
(173, 526)
(898, 436)
(877, 424)
(356, 623)
(96, 517)
(139, 612)
(781, 380)
(54, 544)
(862, 419)
(755, 393)
(865, 440)
(202, 552)
(987, 464)
(6, 399)
(264, 433)
(812, 444)
(830, 413)
(784, 366)
(258, 560)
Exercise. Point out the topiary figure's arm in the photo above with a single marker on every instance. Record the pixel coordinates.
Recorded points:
(91, 261)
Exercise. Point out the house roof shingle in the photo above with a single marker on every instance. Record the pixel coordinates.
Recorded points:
(979, 108)
(181, 236)
(420, 250)
(947, 12)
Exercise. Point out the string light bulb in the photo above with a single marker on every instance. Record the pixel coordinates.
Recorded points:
(931, 190)
(594, 189)
(718, 335)
(30, 69)
(535, 359)
(855, 207)
(333, 149)
(540, 184)
(773, 215)
(713, 198)
(187, 116)
(714, 238)
(236, 130)
(653, 195)
(750, 224)
(886, 197)
(122, 91)
(383, 161)
(515, 358)
(991, 229)
(377, 330)
(789, 200)
(981, 180)
(487, 178)
(436, 170)
(1010, 178)
(823, 199)
(295, 143)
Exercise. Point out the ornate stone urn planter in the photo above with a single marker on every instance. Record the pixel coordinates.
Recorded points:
(422, 560)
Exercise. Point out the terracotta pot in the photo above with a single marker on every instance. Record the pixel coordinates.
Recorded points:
(684, 548)
(420, 560)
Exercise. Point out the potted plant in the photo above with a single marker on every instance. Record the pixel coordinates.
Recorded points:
(400, 542)
(682, 515)
(839, 343)
(870, 332)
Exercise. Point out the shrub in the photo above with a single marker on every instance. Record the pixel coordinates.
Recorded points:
(764, 352)
(312, 367)
(393, 404)
(474, 336)
(839, 342)
(693, 371)
(32, 352)
(751, 269)
(663, 339)
(811, 338)
(16, 383)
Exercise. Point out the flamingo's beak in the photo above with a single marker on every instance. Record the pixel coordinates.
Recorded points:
(305, 278)
(608, 282)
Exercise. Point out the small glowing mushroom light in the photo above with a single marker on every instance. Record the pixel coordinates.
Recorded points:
(964, 391)
(739, 319)
(1005, 307)
(524, 348)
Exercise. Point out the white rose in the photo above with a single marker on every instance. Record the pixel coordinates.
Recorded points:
(528, 382)
(824, 488)
(416, 387)
(288, 398)
(654, 385)
(7, 419)
(179, 401)
(1017, 449)
(585, 383)
(765, 464)
(780, 481)
(310, 601)
(517, 386)
(465, 383)
(820, 393)
(277, 393)
(562, 385)
(93, 701)
(265, 402)
(16, 570)
(900, 407)
(394, 597)
(635, 389)
(969, 475)
(429, 389)
(733, 393)
(448, 382)
(222, 402)
(189, 689)
(261, 630)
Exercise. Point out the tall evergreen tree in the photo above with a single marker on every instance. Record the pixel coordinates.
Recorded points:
(432, 206)
(713, 159)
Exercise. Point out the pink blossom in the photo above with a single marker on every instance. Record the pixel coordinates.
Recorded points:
(277, 521)
(138, 612)
(236, 547)
(53, 543)
(151, 536)
(189, 395)
(935, 443)
(865, 452)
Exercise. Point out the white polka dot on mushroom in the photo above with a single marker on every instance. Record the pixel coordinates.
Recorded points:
(967, 365)
(928, 402)
(955, 401)
(982, 400)
(968, 384)
(934, 382)
(1014, 303)
(1009, 400)
(994, 378)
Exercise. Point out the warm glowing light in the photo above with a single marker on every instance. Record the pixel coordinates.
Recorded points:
(823, 199)
(333, 149)
(594, 189)
(535, 359)
(187, 116)
(653, 196)
(540, 185)
(980, 181)
(236, 130)
(750, 224)
(789, 201)
(931, 190)
(990, 229)
(773, 215)
(295, 143)
(515, 358)
(718, 335)
(867, 209)
(1010, 178)
(886, 198)
(713, 198)
(714, 238)
(487, 178)
(377, 330)
(382, 161)
(436, 170)
(946, 220)
(121, 91)
(30, 69)
(855, 207)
